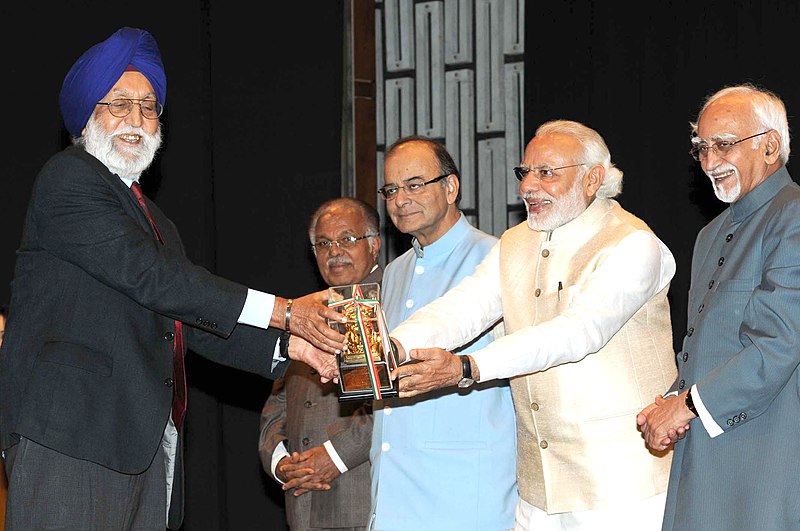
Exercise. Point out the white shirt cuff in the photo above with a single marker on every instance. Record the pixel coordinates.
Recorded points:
(277, 454)
(257, 310)
(709, 424)
(335, 457)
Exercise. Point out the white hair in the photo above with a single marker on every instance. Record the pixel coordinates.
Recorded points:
(595, 152)
(768, 110)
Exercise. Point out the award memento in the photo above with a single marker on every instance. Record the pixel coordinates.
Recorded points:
(365, 365)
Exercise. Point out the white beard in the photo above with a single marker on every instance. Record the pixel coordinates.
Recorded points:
(562, 210)
(732, 194)
(130, 163)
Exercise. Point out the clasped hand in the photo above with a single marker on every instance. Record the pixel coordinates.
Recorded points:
(664, 422)
(310, 470)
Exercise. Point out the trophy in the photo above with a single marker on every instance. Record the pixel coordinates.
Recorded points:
(365, 364)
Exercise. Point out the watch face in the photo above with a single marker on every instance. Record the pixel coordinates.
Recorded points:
(465, 382)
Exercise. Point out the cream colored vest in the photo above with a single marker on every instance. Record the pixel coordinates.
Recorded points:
(578, 445)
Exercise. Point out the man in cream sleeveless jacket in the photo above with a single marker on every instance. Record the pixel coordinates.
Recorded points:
(582, 287)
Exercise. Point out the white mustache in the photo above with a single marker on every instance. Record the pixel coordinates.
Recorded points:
(338, 260)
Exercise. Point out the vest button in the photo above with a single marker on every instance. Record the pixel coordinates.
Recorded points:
(546, 253)
(306, 441)
(537, 292)
(711, 284)
(307, 404)
(543, 445)
(690, 332)
(729, 237)
(682, 384)
(721, 260)
(685, 356)
(168, 382)
(535, 406)
(169, 336)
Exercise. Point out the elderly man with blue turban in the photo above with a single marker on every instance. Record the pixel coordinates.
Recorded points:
(104, 304)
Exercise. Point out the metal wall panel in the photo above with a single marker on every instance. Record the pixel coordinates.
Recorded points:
(399, 20)
(458, 31)
(460, 132)
(515, 143)
(399, 108)
(489, 65)
(492, 212)
(430, 68)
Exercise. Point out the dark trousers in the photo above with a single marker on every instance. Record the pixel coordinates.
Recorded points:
(50, 490)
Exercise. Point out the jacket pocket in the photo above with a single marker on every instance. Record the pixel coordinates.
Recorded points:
(78, 356)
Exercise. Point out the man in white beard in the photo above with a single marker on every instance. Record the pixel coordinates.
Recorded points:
(104, 304)
(582, 290)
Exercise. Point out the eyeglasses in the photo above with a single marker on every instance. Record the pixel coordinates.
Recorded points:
(348, 242)
(545, 173)
(721, 148)
(122, 107)
(413, 186)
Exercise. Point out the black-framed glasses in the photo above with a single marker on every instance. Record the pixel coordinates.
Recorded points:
(545, 173)
(122, 107)
(412, 186)
(348, 242)
(700, 150)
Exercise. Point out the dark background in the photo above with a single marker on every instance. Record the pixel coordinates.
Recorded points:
(252, 146)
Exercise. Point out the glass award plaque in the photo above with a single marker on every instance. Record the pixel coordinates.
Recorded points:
(365, 365)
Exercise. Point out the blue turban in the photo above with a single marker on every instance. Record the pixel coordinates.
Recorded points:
(100, 67)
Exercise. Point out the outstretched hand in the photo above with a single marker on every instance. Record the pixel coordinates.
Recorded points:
(434, 368)
(309, 319)
(322, 362)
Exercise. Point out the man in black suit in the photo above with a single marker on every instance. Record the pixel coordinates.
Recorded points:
(104, 303)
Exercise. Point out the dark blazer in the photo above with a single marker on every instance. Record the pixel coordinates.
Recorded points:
(86, 364)
(304, 413)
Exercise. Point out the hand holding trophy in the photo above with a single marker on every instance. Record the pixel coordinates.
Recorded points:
(367, 361)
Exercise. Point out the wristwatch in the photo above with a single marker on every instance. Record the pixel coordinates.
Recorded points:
(690, 403)
(466, 373)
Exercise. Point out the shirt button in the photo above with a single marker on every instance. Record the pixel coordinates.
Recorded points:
(409, 303)
(721, 260)
(546, 253)
(168, 382)
(543, 445)
(169, 336)
(419, 269)
(729, 237)
(682, 384)
(308, 404)
(387, 410)
(535, 406)
(537, 292)
(385, 447)
(306, 440)
(711, 284)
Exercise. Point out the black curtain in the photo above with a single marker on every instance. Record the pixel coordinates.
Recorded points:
(638, 73)
(252, 146)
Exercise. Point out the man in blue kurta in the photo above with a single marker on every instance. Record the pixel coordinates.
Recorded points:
(737, 468)
(446, 460)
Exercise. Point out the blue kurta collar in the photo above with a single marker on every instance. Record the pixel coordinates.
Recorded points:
(446, 243)
(760, 195)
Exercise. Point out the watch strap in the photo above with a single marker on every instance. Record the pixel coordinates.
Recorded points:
(690, 403)
(466, 367)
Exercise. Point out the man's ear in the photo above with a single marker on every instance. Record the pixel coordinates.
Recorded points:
(772, 150)
(593, 179)
(452, 186)
(376, 247)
